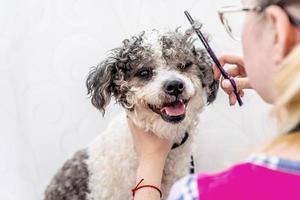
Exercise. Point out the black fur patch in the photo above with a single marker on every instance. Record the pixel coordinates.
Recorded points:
(71, 181)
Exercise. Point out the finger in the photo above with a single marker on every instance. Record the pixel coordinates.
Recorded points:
(232, 99)
(226, 86)
(241, 93)
(241, 83)
(238, 69)
(133, 128)
(234, 71)
(217, 73)
(230, 59)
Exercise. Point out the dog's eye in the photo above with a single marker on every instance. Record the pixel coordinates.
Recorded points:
(180, 66)
(144, 73)
(186, 65)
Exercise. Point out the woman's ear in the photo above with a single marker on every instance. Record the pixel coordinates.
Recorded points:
(99, 84)
(281, 32)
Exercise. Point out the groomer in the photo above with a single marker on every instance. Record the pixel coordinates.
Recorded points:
(271, 66)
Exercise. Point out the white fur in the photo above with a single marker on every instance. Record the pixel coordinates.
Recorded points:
(112, 162)
(112, 159)
(151, 94)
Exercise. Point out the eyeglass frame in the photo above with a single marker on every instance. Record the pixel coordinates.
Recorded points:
(234, 9)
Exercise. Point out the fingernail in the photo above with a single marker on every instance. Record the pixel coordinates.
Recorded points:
(226, 84)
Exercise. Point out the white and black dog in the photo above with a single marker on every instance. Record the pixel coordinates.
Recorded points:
(163, 82)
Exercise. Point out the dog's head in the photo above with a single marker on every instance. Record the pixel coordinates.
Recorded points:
(161, 79)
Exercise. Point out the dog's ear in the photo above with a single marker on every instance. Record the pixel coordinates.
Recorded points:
(206, 74)
(99, 84)
(213, 88)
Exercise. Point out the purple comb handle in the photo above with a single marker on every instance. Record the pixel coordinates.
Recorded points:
(215, 59)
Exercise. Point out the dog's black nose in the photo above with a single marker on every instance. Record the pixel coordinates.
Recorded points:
(174, 87)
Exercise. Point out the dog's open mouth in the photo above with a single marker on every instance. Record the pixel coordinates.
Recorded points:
(173, 112)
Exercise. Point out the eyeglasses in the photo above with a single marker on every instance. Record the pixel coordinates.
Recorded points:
(232, 18)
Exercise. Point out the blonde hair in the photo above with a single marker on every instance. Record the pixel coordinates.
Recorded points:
(287, 85)
(287, 103)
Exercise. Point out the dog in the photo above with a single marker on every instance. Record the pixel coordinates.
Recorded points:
(163, 82)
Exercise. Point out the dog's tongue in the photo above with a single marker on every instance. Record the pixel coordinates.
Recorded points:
(176, 109)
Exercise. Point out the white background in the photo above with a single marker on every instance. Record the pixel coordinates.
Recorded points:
(46, 50)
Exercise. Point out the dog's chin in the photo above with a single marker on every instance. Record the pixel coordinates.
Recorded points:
(171, 112)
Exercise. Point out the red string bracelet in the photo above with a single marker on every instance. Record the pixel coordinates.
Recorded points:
(137, 187)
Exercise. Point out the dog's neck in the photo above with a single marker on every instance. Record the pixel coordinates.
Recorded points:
(184, 139)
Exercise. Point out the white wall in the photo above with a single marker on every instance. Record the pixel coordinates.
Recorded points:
(46, 49)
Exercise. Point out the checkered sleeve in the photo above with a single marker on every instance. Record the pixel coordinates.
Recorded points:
(185, 189)
(274, 162)
(271, 162)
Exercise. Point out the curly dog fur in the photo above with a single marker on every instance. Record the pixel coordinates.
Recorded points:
(139, 76)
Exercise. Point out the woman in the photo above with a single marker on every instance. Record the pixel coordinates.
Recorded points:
(270, 35)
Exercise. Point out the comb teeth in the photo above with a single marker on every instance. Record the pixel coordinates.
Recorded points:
(197, 25)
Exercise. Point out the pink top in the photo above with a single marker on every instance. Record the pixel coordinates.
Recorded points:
(248, 182)
(264, 177)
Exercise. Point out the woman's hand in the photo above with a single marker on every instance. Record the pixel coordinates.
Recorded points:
(148, 145)
(152, 153)
(237, 71)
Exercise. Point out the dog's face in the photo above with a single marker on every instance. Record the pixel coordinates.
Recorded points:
(161, 79)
